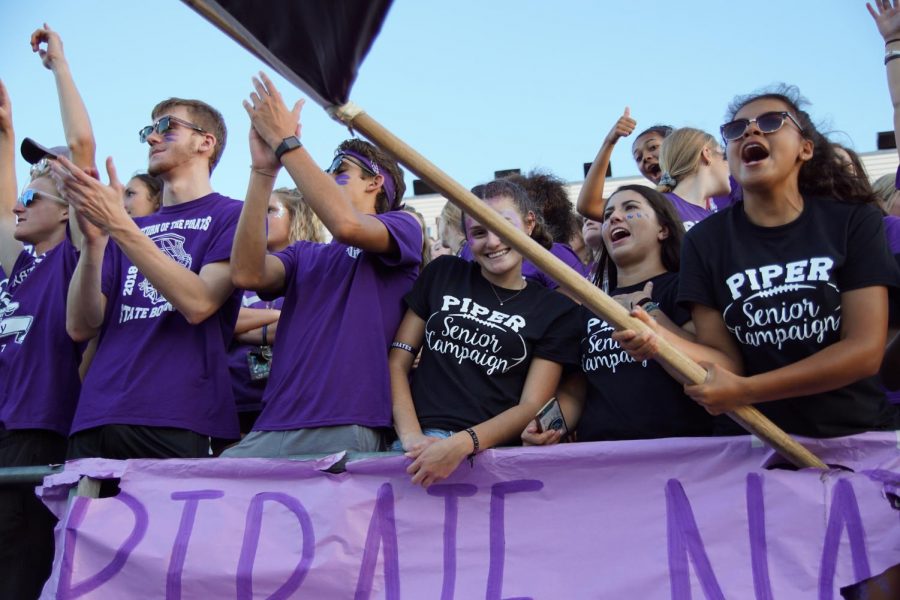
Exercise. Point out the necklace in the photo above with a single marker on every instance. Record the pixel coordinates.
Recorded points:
(502, 302)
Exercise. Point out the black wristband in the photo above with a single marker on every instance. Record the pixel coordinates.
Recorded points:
(402, 346)
(892, 41)
(265, 334)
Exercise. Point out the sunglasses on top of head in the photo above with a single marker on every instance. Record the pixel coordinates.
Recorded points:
(40, 168)
(164, 124)
(338, 159)
(28, 196)
(769, 122)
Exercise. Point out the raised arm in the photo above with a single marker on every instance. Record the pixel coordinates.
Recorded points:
(252, 267)
(275, 122)
(590, 198)
(76, 122)
(887, 18)
(10, 247)
(197, 296)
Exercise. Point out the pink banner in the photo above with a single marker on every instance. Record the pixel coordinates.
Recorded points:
(685, 518)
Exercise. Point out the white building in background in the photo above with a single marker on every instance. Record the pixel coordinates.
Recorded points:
(876, 163)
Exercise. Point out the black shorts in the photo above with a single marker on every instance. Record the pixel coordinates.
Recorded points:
(137, 441)
(26, 525)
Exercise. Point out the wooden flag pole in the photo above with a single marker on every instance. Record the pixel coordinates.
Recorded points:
(576, 285)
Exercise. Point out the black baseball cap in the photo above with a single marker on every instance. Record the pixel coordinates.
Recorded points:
(34, 152)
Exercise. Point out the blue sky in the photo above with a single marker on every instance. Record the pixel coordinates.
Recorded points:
(475, 86)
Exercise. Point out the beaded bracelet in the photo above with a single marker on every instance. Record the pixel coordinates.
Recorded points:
(477, 446)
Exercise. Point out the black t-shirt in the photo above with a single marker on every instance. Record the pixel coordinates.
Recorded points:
(779, 291)
(634, 400)
(476, 353)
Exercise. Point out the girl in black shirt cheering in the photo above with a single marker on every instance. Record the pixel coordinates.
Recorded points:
(493, 346)
(612, 396)
(787, 289)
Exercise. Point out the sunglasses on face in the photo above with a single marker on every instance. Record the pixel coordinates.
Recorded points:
(769, 122)
(336, 164)
(165, 124)
(28, 196)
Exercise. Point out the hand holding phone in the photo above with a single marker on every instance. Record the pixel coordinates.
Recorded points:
(551, 417)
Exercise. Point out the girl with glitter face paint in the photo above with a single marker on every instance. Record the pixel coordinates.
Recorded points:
(613, 396)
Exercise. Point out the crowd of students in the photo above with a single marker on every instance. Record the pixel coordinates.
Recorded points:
(161, 319)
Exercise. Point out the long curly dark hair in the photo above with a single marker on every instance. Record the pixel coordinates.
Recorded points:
(823, 174)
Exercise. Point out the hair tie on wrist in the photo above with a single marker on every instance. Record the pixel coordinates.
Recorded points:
(264, 173)
(892, 41)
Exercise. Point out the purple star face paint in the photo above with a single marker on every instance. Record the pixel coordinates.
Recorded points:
(342, 179)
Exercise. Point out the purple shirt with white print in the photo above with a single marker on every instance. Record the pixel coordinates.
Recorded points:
(152, 367)
(39, 381)
(342, 307)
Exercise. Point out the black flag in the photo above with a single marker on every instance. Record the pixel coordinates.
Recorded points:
(317, 45)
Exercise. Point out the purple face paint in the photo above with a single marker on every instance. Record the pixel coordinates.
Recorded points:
(169, 137)
(342, 179)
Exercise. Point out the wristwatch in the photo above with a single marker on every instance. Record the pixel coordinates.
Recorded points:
(286, 145)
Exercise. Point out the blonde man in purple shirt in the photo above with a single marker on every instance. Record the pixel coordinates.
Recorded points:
(157, 289)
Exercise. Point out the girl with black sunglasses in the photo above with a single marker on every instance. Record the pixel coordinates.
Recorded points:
(787, 289)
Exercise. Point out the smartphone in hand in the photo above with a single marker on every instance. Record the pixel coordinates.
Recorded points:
(551, 417)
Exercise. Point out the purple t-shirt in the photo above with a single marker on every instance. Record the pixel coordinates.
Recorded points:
(532, 273)
(248, 392)
(690, 214)
(152, 367)
(717, 203)
(342, 307)
(892, 233)
(39, 381)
